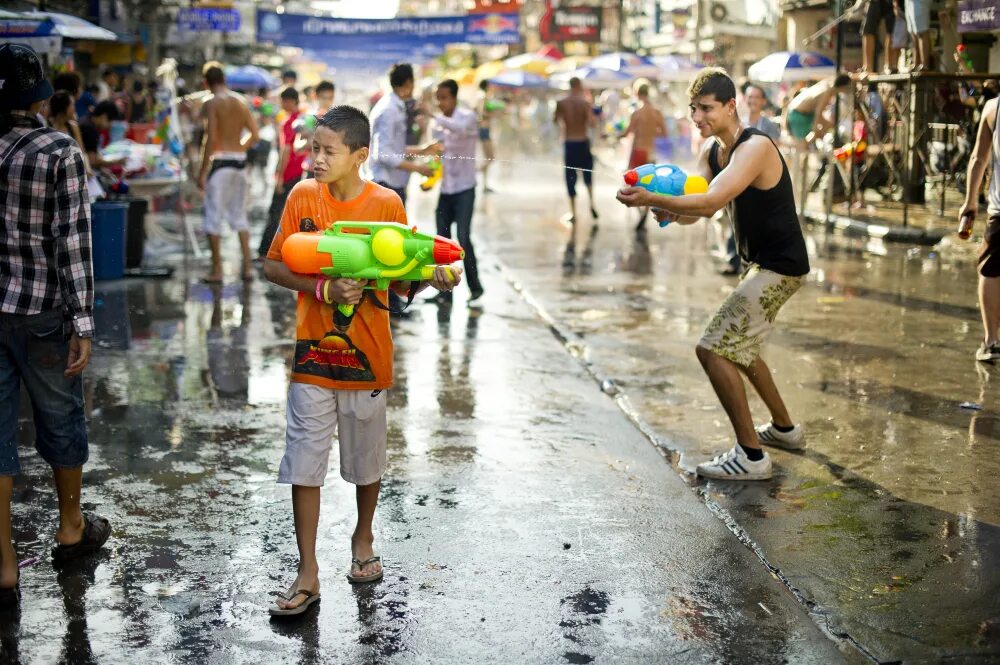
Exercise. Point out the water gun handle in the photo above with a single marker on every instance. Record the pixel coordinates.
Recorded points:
(431, 180)
(342, 316)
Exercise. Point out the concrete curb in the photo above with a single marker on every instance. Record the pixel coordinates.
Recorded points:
(857, 228)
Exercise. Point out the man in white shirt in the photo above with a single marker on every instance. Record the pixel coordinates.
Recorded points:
(457, 128)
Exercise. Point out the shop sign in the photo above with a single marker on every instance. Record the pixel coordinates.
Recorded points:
(978, 15)
(569, 24)
(215, 19)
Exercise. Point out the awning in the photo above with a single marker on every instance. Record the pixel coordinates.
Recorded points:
(51, 24)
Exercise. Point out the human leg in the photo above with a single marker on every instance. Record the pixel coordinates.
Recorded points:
(727, 382)
(311, 422)
(989, 305)
(363, 538)
(8, 557)
(760, 377)
(464, 206)
(69, 484)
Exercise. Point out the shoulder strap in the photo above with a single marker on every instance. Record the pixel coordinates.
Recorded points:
(713, 157)
(409, 299)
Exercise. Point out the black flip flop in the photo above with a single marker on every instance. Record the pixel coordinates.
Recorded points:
(95, 533)
(298, 609)
(364, 579)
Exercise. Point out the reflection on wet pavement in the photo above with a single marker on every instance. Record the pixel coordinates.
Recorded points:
(895, 498)
(508, 473)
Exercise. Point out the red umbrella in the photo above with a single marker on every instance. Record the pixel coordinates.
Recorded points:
(550, 51)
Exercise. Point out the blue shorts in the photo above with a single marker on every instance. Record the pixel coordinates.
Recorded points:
(34, 350)
(484, 134)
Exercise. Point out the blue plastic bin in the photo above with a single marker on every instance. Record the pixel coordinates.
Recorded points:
(107, 221)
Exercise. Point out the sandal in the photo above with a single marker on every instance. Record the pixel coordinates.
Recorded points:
(95, 533)
(363, 579)
(298, 609)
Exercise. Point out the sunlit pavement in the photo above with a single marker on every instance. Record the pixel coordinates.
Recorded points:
(538, 505)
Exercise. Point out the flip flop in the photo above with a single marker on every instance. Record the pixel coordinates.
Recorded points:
(298, 609)
(95, 533)
(364, 579)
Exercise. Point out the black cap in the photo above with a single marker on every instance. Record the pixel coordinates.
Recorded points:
(22, 78)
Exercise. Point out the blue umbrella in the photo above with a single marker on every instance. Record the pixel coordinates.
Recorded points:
(515, 78)
(675, 67)
(785, 66)
(629, 63)
(249, 77)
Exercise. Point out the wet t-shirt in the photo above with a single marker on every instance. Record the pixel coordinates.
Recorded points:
(361, 358)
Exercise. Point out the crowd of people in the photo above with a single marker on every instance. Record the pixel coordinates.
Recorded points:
(339, 163)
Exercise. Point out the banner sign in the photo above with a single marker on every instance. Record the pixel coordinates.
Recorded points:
(978, 16)
(216, 19)
(25, 27)
(495, 6)
(571, 24)
(312, 32)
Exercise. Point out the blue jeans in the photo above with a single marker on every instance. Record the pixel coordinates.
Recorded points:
(457, 209)
(34, 349)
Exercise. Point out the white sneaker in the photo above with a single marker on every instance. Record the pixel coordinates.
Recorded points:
(735, 465)
(769, 435)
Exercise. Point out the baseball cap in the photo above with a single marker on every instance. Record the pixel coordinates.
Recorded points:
(22, 78)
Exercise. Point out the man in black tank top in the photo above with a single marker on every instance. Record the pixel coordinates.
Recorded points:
(746, 173)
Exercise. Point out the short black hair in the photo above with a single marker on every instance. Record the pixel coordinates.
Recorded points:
(325, 86)
(68, 81)
(60, 102)
(713, 81)
(290, 74)
(212, 71)
(108, 108)
(108, 70)
(841, 80)
(400, 74)
(351, 123)
(451, 86)
(484, 85)
(290, 93)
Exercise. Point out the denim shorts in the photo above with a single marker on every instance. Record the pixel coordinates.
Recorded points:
(34, 349)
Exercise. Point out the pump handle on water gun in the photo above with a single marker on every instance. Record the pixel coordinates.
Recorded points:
(431, 180)
(665, 179)
(380, 252)
(964, 55)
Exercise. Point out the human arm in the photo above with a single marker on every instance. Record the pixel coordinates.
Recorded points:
(286, 140)
(74, 257)
(979, 160)
(207, 142)
(251, 139)
(745, 165)
(459, 124)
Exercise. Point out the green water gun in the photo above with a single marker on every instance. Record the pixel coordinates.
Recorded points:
(380, 252)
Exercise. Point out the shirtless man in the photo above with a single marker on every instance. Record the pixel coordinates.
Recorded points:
(805, 118)
(575, 116)
(223, 175)
(645, 125)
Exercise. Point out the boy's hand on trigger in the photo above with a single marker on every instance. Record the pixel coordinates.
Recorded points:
(346, 291)
(446, 278)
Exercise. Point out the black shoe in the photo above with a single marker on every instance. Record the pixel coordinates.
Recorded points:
(475, 298)
(569, 258)
(593, 213)
(442, 298)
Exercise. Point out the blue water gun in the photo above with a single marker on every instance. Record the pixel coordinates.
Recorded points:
(665, 179)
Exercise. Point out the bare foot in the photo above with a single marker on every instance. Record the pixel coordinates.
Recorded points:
(362, 550)
(305, 580)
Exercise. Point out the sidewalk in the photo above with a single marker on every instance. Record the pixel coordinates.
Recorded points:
(524, 518)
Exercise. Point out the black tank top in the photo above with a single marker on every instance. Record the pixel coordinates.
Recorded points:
(765, 223)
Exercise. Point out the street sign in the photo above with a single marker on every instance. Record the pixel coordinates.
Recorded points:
(978, 16)
(209, 20)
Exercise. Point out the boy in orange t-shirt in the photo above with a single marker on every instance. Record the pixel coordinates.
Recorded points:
(339, 379)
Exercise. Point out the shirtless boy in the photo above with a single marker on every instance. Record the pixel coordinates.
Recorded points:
(575, 116)
(644, 126)
(223, 175)
(806, 121)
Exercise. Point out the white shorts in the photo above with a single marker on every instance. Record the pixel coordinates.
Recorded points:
(226, 196)
(314, 415)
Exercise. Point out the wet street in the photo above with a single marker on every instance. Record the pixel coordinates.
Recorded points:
(540, 505)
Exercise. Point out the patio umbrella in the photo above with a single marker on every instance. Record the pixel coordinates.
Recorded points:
(530, 62)
(785, 66)
(569, 63)
(550, 51)
(594, 78)
(65, 25)
(249, 77)
(488, 69)
(515, 78)
(629, 63)
(675, 67)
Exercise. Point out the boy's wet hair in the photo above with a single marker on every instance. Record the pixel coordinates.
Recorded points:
(451, 85)
(291, 94)
(713, 81)
(325, 86)
(351, 123)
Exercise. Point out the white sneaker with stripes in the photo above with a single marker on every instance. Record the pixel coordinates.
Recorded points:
(735, 465)
(771, 436)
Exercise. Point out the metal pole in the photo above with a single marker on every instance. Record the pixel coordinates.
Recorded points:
(838, 9)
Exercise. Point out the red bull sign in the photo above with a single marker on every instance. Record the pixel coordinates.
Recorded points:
(571, 24)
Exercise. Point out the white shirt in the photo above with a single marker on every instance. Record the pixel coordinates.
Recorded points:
(388, 123)
(459, 134)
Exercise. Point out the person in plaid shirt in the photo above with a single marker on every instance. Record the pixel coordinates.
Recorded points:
(46, 306)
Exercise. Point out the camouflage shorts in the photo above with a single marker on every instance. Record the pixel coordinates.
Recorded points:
(746, 317)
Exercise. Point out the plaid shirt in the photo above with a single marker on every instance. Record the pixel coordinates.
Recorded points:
(45, 256)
